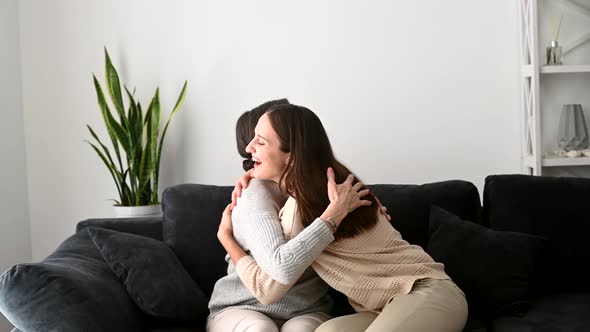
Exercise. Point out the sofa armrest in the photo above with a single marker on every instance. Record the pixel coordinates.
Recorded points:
(145, 226)
(73, 289)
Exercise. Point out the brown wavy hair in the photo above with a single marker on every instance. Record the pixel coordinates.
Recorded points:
(245, 129)
(302, 134)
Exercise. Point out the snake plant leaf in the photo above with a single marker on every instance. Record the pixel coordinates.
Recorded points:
(110, 164)
(114, 88)
(179, 103)
(139, 129)
(135, 134)
(116, 131)
(109, 167)
(104, 148)
(155, 132)
(144, 172)
(104, 109)
(145, 169)
(136, 128)
(127, 197)
(113, 83)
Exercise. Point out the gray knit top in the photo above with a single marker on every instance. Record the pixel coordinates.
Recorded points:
(258, 231)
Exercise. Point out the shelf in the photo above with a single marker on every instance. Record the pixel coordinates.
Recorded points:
(565, 69)
(556, 161)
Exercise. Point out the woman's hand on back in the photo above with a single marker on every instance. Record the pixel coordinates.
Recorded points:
(226, 229)
(344, 197)
(383, 209)
(241, 184)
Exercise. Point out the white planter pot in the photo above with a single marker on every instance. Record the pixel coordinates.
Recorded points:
(138, 211)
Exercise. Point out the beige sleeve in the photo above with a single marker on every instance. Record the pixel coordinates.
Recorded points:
(261, 285)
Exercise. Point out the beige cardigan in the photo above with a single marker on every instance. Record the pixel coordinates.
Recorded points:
(370, 268)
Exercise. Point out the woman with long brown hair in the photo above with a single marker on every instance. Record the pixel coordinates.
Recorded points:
(306, 303)
(393, 285)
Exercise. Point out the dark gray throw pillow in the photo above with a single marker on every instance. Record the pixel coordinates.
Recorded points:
(152, 275)
(493, 268)
(71, 290)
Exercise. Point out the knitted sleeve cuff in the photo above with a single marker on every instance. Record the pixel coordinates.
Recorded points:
(241, 266)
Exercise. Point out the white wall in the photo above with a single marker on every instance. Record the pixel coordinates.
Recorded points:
(409, 91)
(14, 223)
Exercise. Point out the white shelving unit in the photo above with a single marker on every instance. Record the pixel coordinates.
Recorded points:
(533, 71)
(565, 69)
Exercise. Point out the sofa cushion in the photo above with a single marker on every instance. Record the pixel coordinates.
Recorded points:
(192, 213)
(71, 290)
(493, 268)
(551, 313)
(152, 275)
(146, 226)
(552, 207)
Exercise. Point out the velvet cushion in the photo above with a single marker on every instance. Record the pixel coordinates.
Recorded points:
(192, 213)
(552, 207)
(152, 275)
(409, 205)
(493, 268)
(72, 290)
(567, 312)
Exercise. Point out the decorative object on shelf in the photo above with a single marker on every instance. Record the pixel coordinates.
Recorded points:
(573, 153)
(573, 133)
(554, 50)
(560, 153)
(554, 53)
(134, 137)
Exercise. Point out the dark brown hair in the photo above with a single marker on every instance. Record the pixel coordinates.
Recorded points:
(245, 129)
(302, 134)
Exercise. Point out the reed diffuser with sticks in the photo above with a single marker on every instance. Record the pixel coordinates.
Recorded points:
(554, 50)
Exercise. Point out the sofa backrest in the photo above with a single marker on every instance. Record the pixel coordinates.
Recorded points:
(409, 205)
(556, 208)
(192, 213)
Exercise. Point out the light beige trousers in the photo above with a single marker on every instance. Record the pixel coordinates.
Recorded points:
(240, 320)
(431, 305)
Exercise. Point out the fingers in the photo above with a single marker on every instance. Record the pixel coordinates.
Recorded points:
(349, 179)
(363, 193)
(365, 203)
(238, 187)
(234, 198)
(228, 208)
(330, 174)
(383, 211)
(358, 186)
(243, 183)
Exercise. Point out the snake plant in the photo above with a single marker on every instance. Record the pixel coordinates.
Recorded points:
(134, 161)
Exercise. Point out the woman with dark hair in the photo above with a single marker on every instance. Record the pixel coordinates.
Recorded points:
(393, 286)
(306, 303)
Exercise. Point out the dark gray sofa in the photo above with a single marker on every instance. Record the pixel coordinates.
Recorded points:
(74, 289)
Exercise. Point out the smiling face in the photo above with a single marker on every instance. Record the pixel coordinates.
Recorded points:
(269, 160)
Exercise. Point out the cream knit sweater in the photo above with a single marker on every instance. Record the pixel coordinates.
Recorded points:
(370, 268)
